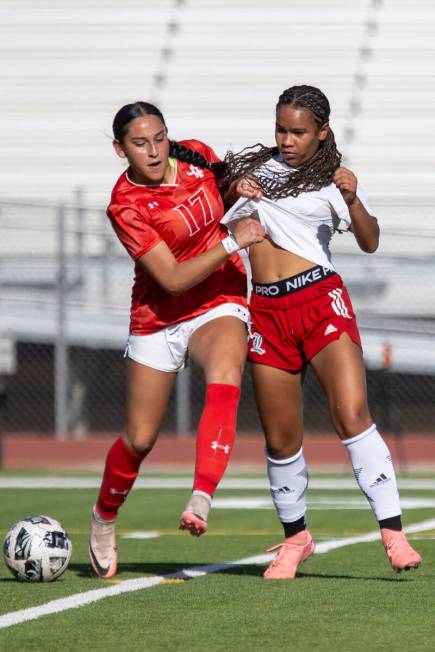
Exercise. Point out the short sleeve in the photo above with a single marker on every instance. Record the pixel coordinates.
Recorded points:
(207, 152)
(135, 234)
(341, 210)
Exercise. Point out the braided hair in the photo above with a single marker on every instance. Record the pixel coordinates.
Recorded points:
(183, 153)
(129, 112)
(312, 175)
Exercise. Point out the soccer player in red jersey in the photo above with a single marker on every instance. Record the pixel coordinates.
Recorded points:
(301, 314)
(189, 298)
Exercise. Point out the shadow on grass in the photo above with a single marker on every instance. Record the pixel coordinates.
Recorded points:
(165, 569)
(176, 570)
(354, 577)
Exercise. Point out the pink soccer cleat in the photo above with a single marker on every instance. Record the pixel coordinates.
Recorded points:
(292, 552)
(102, 547)
(400, 554)
(194, 517)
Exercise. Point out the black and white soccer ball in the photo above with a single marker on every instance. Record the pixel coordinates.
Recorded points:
(37, 549)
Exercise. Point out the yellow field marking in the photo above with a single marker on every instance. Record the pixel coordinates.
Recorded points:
(172, 581)
(177, 533)
(87, 597)
(231, 533)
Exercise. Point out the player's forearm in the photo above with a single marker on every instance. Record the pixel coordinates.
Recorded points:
(193, 271)
(177, 277)
(364, 227)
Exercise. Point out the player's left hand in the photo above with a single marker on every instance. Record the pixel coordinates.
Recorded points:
(347, 183)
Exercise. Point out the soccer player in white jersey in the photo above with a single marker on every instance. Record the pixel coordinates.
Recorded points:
(301, 314)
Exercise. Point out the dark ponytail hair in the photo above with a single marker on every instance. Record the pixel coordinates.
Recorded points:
(312, 175)
(129, 112)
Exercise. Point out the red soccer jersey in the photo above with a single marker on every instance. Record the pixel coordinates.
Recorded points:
(186, 215)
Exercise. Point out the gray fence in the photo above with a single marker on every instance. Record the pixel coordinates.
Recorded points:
(65, 286)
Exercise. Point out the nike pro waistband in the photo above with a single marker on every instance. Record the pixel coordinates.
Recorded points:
(293, 283)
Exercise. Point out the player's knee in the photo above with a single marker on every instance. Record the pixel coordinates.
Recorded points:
(227, 373)
(140, 440)
(281, 446)
(352, 421)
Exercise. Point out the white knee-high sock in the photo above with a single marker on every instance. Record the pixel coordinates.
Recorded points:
(374, 472)
(288, 481)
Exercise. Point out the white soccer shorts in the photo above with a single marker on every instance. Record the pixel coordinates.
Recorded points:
(167, 349)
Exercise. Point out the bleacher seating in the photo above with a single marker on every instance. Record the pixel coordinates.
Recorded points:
(216, 69)
(66, 68)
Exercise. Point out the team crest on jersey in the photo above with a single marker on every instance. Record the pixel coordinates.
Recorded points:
(195, 172)
(153, 204)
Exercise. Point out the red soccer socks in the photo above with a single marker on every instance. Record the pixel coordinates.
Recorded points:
(215, 439)
(122, 467)
(216, 434)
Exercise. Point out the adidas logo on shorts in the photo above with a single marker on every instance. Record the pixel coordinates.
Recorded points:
(329, 329)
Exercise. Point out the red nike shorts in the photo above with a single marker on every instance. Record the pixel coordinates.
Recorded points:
(286, 330)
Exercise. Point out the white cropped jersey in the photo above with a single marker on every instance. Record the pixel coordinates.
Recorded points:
(303, 225)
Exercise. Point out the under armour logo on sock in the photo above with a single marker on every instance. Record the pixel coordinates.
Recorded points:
(115, 492)
(215, 445)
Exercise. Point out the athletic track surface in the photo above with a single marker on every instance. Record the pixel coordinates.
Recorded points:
(171, 452)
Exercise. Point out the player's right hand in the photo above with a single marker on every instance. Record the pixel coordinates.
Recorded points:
(248, 232)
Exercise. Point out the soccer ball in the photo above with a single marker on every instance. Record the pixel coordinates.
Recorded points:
(37, 549)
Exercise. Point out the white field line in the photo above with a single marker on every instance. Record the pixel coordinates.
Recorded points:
(326, 546)
(65, 482)
(317, 503)
(141, 534)
(128, 586)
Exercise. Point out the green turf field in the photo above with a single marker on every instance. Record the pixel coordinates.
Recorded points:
(347, 599)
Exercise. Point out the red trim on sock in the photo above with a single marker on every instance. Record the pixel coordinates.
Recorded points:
(216, 434)
(122, 467)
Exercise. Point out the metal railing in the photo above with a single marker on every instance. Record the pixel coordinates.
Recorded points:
(65, 286)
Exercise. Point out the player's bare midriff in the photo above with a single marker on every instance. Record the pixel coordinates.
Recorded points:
(271, 263)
